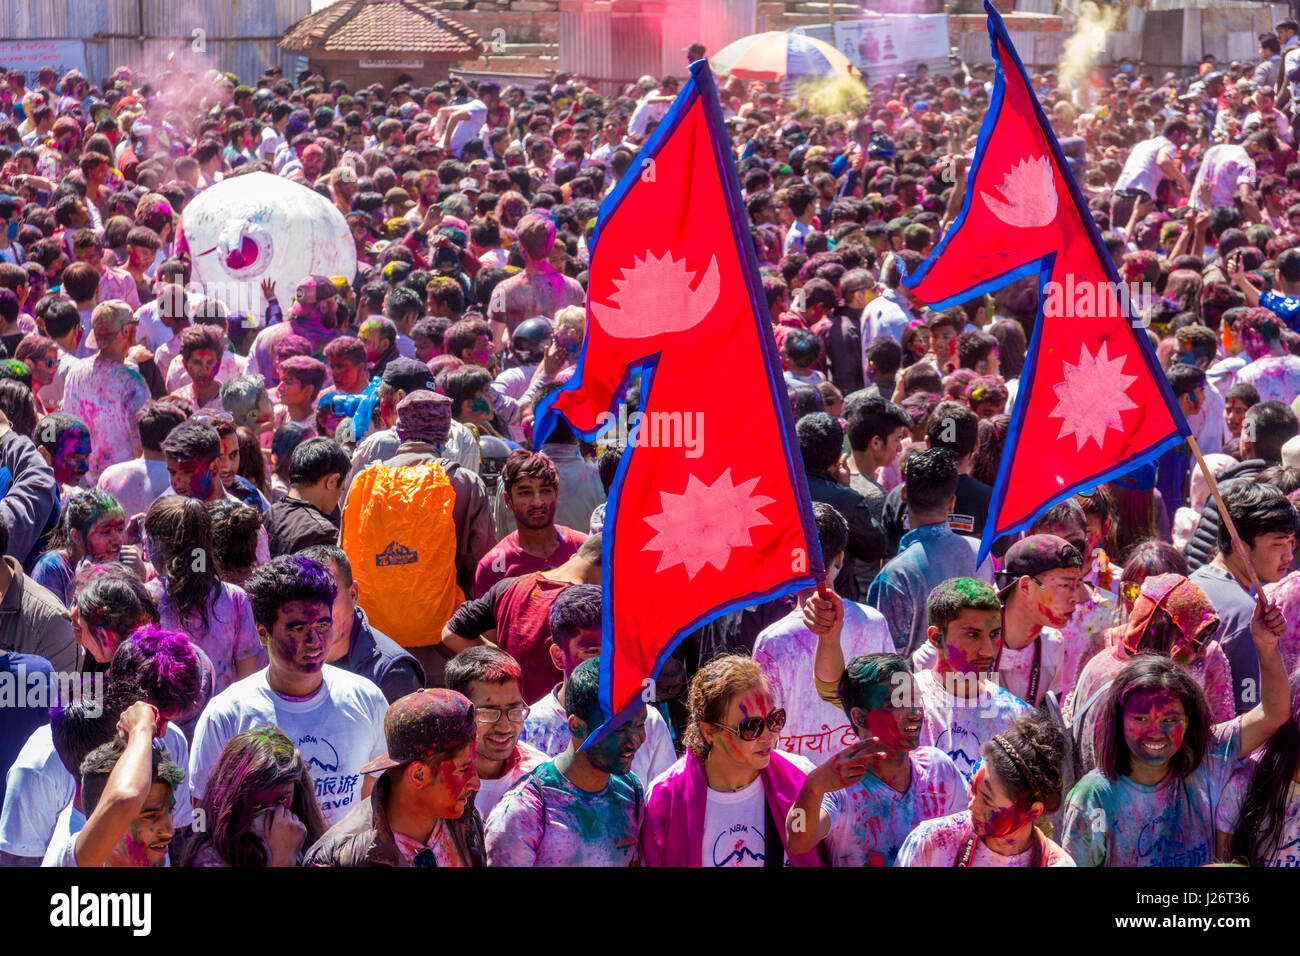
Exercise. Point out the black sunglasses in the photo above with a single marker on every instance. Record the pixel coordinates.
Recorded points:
(751, 728)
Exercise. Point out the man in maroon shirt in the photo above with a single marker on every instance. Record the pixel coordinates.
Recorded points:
(531, 484)
(515, 615)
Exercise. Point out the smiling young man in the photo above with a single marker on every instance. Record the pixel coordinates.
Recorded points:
(1267, 524)
(1042, 575)
(489, 677)
(531, 486)
(127, 790)
(421, 811)
(585, 807)
(334, 718)
(963, 709)
(200, 351)
(869, 797)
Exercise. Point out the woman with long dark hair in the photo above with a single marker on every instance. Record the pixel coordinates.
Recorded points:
(1019, 782)
(1162, 768)
(191, 596)
(1260, 825)
(260, 805)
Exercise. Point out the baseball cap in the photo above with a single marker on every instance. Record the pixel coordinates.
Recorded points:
(107, 320)
(430, 721)
(397, 196)
(407, 375)
(314, 289)
(1037, 554)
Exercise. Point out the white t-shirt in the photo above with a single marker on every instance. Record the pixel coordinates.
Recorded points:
(1225, 167)
(470, 128)
(338, 731)
(38, 788)
(1142, 170)
(734, 827)
(1286, 852)
(136, 484)
(870, 820)
(63, 844)
(1015, 666)
(959, 726)
(547, 729)
(490, 792)
(815, 728)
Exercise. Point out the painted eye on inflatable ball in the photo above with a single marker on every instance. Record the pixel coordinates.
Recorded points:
(245, 248)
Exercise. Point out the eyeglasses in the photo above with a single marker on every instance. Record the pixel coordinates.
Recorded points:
(490, 715)
(751, 728)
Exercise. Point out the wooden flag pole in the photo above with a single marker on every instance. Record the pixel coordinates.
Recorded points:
(1238, 548)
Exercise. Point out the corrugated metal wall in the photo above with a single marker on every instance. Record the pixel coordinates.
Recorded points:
(238, 35)
(613, 49)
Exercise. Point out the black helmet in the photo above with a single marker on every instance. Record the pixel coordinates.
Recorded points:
(530, 340)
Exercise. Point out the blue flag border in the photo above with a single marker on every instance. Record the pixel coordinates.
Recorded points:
(1043, 268)
(701, 85)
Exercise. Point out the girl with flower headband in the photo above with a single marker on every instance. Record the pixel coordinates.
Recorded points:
(1019, 780)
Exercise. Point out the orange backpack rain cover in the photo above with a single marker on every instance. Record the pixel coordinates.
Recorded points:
(399, 535)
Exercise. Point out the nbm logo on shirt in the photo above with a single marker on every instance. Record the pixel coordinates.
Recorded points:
(396, 554)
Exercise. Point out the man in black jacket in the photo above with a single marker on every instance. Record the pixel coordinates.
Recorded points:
(821, 443)
(421, 811)
(1267, 427)
(308, 514)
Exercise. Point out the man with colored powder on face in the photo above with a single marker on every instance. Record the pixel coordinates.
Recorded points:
(379, 337)
(349, 365)
(127, 788)
(192, 451)
(358, 647)
(334, 718)
(1085, 522)
(421, 811)
(538, 290)
(489, 677)
(313, 315)
(784, 650)
(963, 709)
(531, 486)
(1042, 587)
(106, 393)
(585, 807)
(64, 442)
(869, 797)
(161, 668)
(301, 380)
(201, 349)
(575, 637)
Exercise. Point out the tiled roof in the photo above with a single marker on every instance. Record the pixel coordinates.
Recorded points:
(362, 26)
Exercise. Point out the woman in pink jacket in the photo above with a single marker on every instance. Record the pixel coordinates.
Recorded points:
(725, 802)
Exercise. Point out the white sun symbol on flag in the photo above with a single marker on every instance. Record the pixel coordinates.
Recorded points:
(1091, 396)
(706, 522)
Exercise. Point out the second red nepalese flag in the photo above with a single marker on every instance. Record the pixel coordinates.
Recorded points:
(1093, 402)
(697, 528)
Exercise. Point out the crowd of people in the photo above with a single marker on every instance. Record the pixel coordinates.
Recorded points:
(306, 592)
